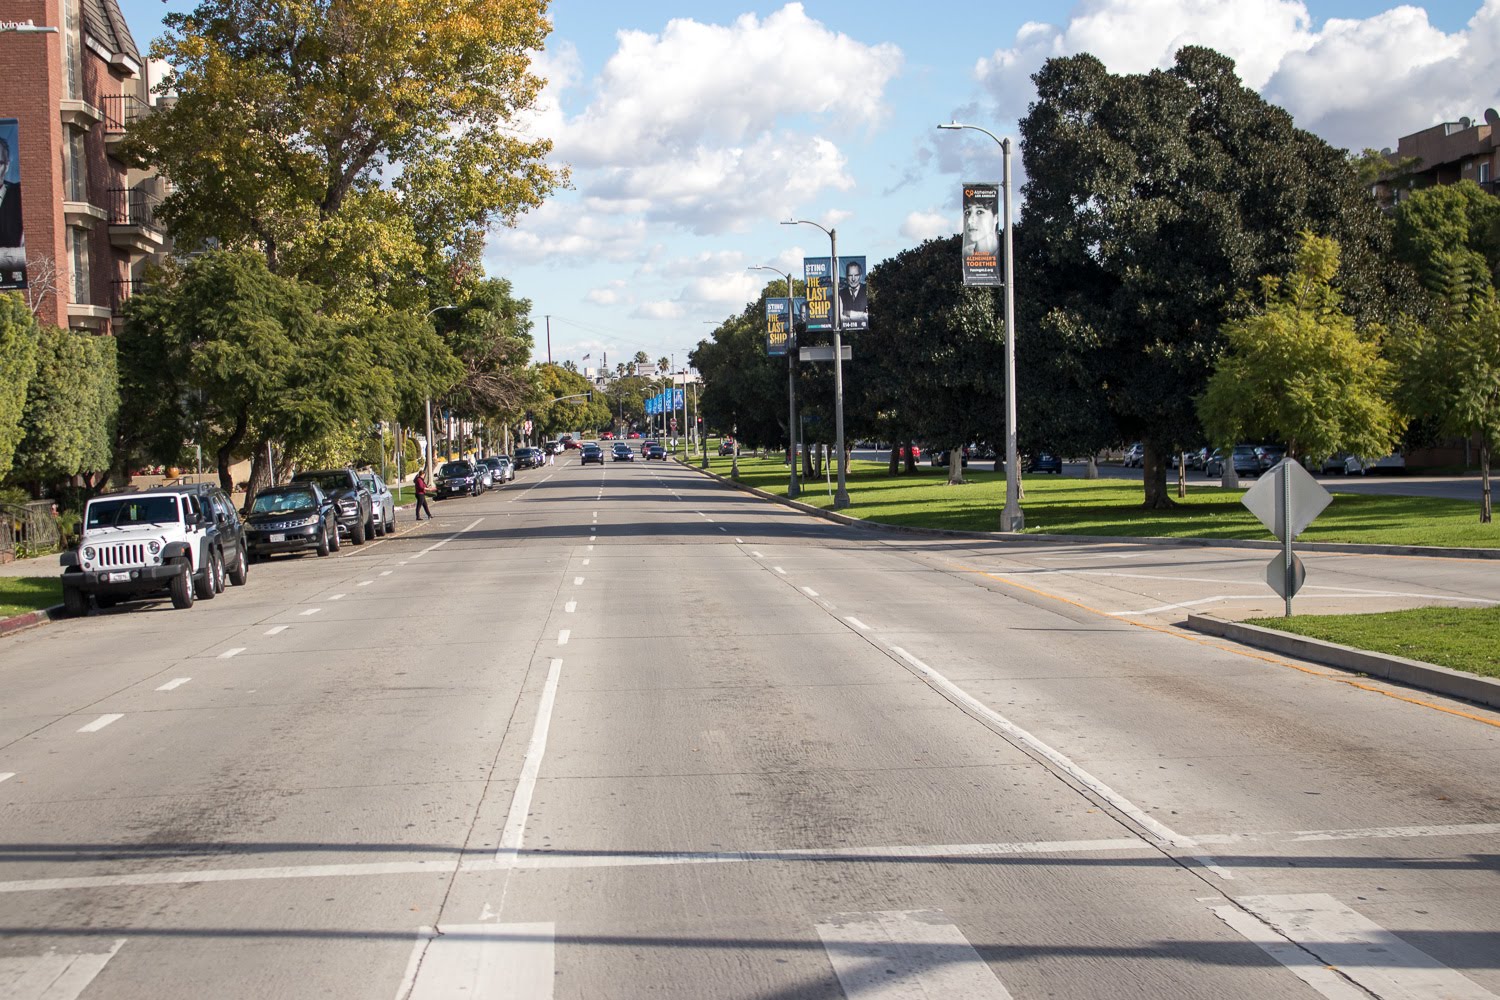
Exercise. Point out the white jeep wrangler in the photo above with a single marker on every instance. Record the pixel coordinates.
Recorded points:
(135, 543)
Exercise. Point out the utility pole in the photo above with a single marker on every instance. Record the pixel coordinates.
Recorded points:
(549, 338)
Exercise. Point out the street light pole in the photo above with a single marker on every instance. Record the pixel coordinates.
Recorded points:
(841, 496)
(1011, 518)
(791, 380)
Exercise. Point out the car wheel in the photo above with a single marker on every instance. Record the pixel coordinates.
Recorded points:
(323, 547)
(357, 533)
(390, 524)
(370, 531)
(221, 574)
(241, 571)
(75, 602)
(203, 584)
(182, 588)
(335, 541)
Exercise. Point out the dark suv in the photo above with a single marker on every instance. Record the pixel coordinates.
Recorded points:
(530, 458)
(353, 506)
(459, 478)
(291, 518)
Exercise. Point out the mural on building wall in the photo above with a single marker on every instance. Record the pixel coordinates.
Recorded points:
(12, 237)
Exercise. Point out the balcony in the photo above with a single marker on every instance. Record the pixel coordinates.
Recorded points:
(120, 112)
(132, 221)
(127, 287)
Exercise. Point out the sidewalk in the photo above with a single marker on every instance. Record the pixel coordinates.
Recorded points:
(39, 566)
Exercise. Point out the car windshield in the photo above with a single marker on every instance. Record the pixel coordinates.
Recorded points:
(330, 481)
(131, 510)
(283, 502)
(455, 469)
(368, 482)
(493, 463)
(1244, 451)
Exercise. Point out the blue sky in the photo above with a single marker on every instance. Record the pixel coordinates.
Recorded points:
(693, 128)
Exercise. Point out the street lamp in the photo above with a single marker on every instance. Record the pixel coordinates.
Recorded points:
(791, 379)
(428, 464)
(1011, 518)
(841, 497)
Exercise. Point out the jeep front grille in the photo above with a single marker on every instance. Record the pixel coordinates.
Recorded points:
(123, 554)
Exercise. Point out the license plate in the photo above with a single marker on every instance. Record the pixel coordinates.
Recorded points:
(278, 538)
(119, 578)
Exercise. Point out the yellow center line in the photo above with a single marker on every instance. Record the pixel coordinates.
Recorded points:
(1336, 677)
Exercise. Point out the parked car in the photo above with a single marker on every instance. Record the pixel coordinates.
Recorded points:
(501, 468)
(654, 450)
(295, 517)
(1270, 454)
(622, 453)
(592, 453)
(1392, 463)
(1135, 455)
(456, 479)
(1042, 461)
(169, 539)
(1343, 463)
(939, 457)
(1198, 458)
(484, 474)
(351, 501)
(1246, 460)
(383, 502)
(530, 458)
(607, 436)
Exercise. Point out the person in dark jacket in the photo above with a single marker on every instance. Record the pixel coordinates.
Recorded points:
(420, 486)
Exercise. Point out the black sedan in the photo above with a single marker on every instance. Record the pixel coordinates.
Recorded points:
(593, 453)
(621, 452)
(292, 518)
(655, 450)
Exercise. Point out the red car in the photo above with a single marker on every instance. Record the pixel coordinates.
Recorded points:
(570, 445)
(635, 434)
(647, 446)
(607, 436)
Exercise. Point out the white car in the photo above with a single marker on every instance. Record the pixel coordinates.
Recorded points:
(382, 503)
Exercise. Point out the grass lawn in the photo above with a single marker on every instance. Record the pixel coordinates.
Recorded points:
(1057, 505)
(1461, 638)
(20, 594)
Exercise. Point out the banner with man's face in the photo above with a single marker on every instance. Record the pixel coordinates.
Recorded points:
(981, 235)
(778, 326)
(815, 273)
(12, 236)
(854, 294)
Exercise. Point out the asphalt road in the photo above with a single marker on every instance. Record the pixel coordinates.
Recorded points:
(623, 732)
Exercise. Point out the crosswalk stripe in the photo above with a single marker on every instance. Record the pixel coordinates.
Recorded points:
(52, 976)
(906, 955)
(494, 961)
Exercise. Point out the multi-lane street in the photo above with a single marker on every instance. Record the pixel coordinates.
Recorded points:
(625, 732)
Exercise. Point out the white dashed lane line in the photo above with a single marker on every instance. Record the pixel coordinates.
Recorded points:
(385, 572)
(563, 636)
(856, 623)
(809, 592)
(578, 581)
(174, 684)
(779, 570)
(365, 583)
(335, 597)
(7, 775)
(100, 723)
(311, 611)
(570, 607)
(230, 654)
(277, 629)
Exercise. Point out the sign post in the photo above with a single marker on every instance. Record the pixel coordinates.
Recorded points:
(1286, 499)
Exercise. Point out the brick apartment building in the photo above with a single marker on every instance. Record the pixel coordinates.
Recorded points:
(87, 218)
(1464, 150)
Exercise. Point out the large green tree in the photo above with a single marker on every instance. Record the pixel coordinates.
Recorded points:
(350, 141)
(72, 403)
(18, 340)
(1436, 222)
(1151, 200)
(1298, 370)
(489, 332)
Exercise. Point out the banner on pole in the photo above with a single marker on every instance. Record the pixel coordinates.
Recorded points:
(778, 326)
(12, 236)
(981, 235)
(815, 274)
(854, 294)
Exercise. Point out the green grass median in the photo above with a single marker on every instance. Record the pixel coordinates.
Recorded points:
(1465, 639)
(1058, 505)
(20, 594)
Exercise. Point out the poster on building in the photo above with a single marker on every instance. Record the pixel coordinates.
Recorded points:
(12, 237)
(819, 293)
(981, 235)
(854, 294)
(778, 326)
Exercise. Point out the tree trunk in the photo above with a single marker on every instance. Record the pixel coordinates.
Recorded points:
(895, 460)
(1154, 470)
(226, 451)
(1091, 471)
(260, 474)
(1484, 481)
(1181, 475)
(955, 466)
(911, 458)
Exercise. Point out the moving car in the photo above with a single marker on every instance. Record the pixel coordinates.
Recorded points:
(654, 450)
(530, 458)
(646, 446)
(1043, 461)
(351, 501)
(1135, 455)
(622, 452)
(382, 501)
(939, 457)
(457, 479)
(501, 468)
(291, 518)
(593, 453)
(726, 447)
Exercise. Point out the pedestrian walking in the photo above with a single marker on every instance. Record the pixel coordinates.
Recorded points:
(419, 485)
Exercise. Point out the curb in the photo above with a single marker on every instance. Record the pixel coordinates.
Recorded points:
(30, 618)
(1351, 548)
(1413, 673)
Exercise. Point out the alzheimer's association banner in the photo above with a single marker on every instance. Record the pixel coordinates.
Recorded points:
(778, 326)
(981, 235)
(815, 273)
(12, 237)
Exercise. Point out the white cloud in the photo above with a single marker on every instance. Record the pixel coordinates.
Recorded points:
(615, 293)
(919, 226)
(561, 231)
(658, 310)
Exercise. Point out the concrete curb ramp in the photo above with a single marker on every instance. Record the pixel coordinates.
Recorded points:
(1428, 676)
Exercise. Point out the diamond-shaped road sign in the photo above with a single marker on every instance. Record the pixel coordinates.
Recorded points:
(1307, 498)
(1276, 575)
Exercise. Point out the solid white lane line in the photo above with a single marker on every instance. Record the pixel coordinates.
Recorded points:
(174, 684)
(277, 629)
(1366, 833)
(563, 635)
(230, 654)
(100, 723)
(7, 775)
(906, 955)
(495, 961)
(1152, 827)
(1338, 937)
(1188, 604)
(856, 623)
(809, 592)
(779, 570)
(578, 581)
(52, 975)
(309, 611)
(570, 607)
(514, 832)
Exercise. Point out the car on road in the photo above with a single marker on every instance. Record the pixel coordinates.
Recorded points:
(530, 458)
(456, 479)
(592, 453)
(939, 457)
(171, 539)
(351, 501)
(726, 447)
(296, 517)
(484, 474)
(1043, 461)
(383, 501)
(654, 450)
(1270, 454)
(607, 436)
(1135, 455)
(621, 452)
(646, 445)
(1246, 459)
(501, 468)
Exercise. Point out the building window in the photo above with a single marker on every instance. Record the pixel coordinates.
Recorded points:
(78, 176)
(78, 256)
(1484, 172)
(72, 50)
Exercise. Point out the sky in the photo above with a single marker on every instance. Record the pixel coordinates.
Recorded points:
(692, 129)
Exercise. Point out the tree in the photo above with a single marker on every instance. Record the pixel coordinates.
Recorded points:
(1436, 222)
(490, 335)
(328, 131)
(1296, 369)
(551, 414)
(18, 344)
(744, 389)
(1151, 200)
(72, 403)
(1451, 365)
